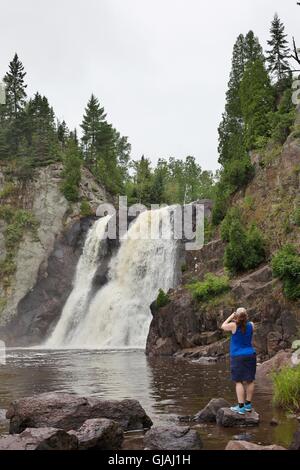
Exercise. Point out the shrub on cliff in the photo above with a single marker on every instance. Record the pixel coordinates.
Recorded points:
(162, 299)
(246, 246)
(286, 266)
(287, 388)
(212, 286)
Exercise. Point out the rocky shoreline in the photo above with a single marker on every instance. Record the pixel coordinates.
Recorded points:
(66, 421)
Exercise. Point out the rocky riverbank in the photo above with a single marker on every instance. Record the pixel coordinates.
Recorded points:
(61, 421)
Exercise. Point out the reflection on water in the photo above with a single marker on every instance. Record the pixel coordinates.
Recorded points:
(166, 389)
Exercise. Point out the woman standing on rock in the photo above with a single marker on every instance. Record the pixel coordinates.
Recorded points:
(242, 358)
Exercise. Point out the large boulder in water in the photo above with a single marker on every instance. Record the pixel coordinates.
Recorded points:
(230, 419)
(69, 411)
(276, 363)
(244, 445)
(172, 438)
(99, 434)
(40, 439)
(209, 413)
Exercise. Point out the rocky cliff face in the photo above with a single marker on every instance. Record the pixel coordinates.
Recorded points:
(191, 329)
(46, 261)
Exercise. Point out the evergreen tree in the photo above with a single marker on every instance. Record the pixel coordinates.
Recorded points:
(15, 87)
(62, 132)
(142, 181)
(91, 125)
(257, 100)
(253, 49)
(279, 52)
(71, 174)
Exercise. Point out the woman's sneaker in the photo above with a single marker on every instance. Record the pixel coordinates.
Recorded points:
(248, 407)
(238, 409)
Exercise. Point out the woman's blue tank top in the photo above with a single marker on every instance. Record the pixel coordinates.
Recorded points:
(241, 343)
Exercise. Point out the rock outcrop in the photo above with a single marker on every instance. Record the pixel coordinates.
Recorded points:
(277, 362)
(99, 434)
(31, 304)
(244, 445)
(229, 419)
(209, 413)
(172, 438)
(69, 412)
(39, 439)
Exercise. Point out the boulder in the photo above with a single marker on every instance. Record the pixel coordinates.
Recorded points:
(99, 434)
(296, 441)
(244, 445)
(172, 438)
(69, 411)
(209, 413)
(40, 439)
(230, 419)
(282, 359)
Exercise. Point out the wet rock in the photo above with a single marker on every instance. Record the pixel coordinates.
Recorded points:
(274, 422)
(229, 419)
(39, 439)
(172, 438)
(99, 434)
(69, 411)
(296, 441)
(209, 413)
(244, 445)
(282, 359)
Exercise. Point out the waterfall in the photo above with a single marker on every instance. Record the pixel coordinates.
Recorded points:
(119, 315)
(79, 298)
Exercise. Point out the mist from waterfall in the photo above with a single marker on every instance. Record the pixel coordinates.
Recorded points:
(118, 316)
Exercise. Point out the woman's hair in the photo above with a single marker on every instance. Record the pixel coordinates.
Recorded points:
(241, 318)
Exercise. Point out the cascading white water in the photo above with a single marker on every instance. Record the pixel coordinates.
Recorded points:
(82, 286)
(119, 315)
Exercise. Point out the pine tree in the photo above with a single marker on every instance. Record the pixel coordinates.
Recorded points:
(231, 123)
(253, 49)
(277, 56)
(91, 125)
(15, 87)
(257, 99)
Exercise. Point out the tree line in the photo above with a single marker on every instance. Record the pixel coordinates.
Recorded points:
(258, 111)
(31, 136)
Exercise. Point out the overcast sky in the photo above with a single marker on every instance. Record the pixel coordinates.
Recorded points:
(159, 67)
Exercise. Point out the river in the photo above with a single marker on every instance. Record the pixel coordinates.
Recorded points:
(167, 389)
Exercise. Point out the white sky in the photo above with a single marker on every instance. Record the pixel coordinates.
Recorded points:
(159, 67)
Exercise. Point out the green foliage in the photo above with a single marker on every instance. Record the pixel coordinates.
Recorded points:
(85, 209)
(71, 172)
(279, 53)
(237, 173)
(257, 100)
(18, 222)
(209, 230)
(296, 217)
(105, 151)
(8, 190)
(232, 215)
(211, 287)
(162, 299)
(246, 247)
(286, 266)
(287, 388)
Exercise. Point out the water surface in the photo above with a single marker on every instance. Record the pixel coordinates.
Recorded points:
(168, 390)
